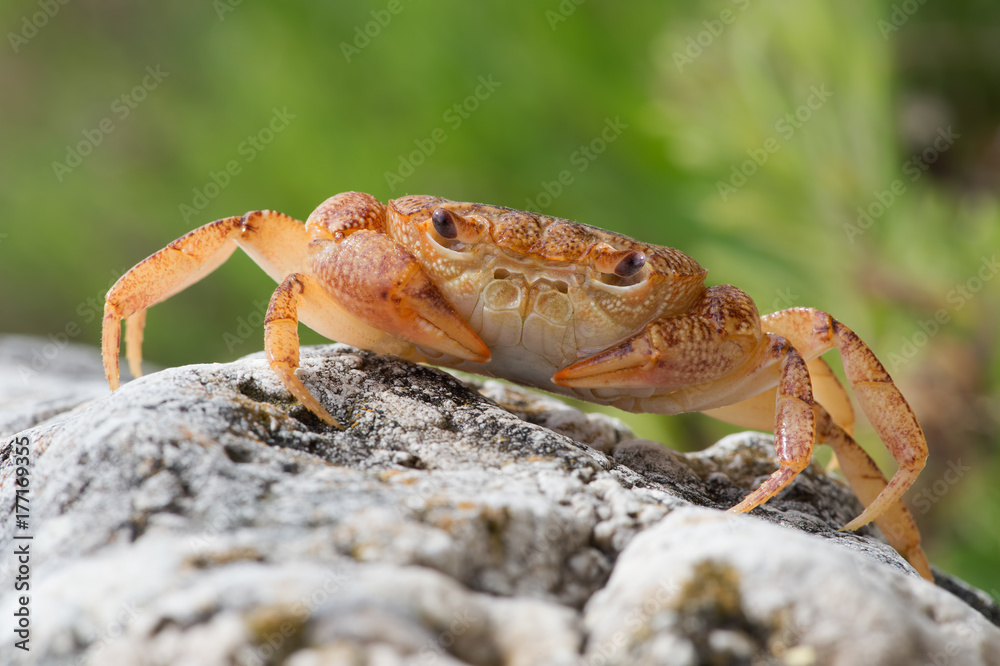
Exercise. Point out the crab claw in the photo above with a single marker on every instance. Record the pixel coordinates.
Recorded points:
(429, 319)
(668, 354)
(381, 283)
(631, 364)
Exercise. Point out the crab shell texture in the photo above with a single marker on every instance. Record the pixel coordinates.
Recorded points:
(532, 287)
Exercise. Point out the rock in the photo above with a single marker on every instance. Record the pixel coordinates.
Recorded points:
(41, 378)
(681, 594)
(200, 515)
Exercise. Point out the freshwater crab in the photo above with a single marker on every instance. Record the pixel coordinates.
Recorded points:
(554, 304)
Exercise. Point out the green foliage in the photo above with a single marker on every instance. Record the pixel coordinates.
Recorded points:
(700, 92)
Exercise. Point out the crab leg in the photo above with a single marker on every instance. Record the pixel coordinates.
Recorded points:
(275, 241)
(790, 410)
(693, 357)
(833, 429)
(134, 326)
(831, 394)
(281, 336)
(281, 341)
(794, 424)
(757, 412)
(881, 401)
(868, 482)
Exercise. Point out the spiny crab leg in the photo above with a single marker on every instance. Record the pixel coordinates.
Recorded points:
(833, 427)
(798, 422)
(134, 326)
(794, 424)
(281, 340)
(385, 300)
(275, 241)
(880, 400)
(814, 332)
(868, 482)
(695, 357)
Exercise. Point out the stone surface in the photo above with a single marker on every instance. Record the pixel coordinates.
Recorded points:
(41, 378)
(682, 594)
(201, 516)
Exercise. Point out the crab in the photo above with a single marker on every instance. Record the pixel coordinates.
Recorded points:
(557, 305)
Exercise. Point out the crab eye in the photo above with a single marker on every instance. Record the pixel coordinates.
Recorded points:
(616, 264)
(444, 224)
(630, 264)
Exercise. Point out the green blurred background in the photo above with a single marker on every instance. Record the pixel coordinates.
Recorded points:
(119, 120)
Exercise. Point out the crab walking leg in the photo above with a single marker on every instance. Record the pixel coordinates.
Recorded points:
(867, 482)
(715, 356)
(281, 339)
(303, 298)
(134, 326)
(831, 394)
(757, 412)
(880, 400)
(277, 243)
(695, 373)
(794, 424)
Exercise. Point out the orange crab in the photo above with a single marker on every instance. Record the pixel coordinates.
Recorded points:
(554, 304)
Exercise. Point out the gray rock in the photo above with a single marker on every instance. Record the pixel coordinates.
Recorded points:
(200, 515)
(41, 378)
(681, 594)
